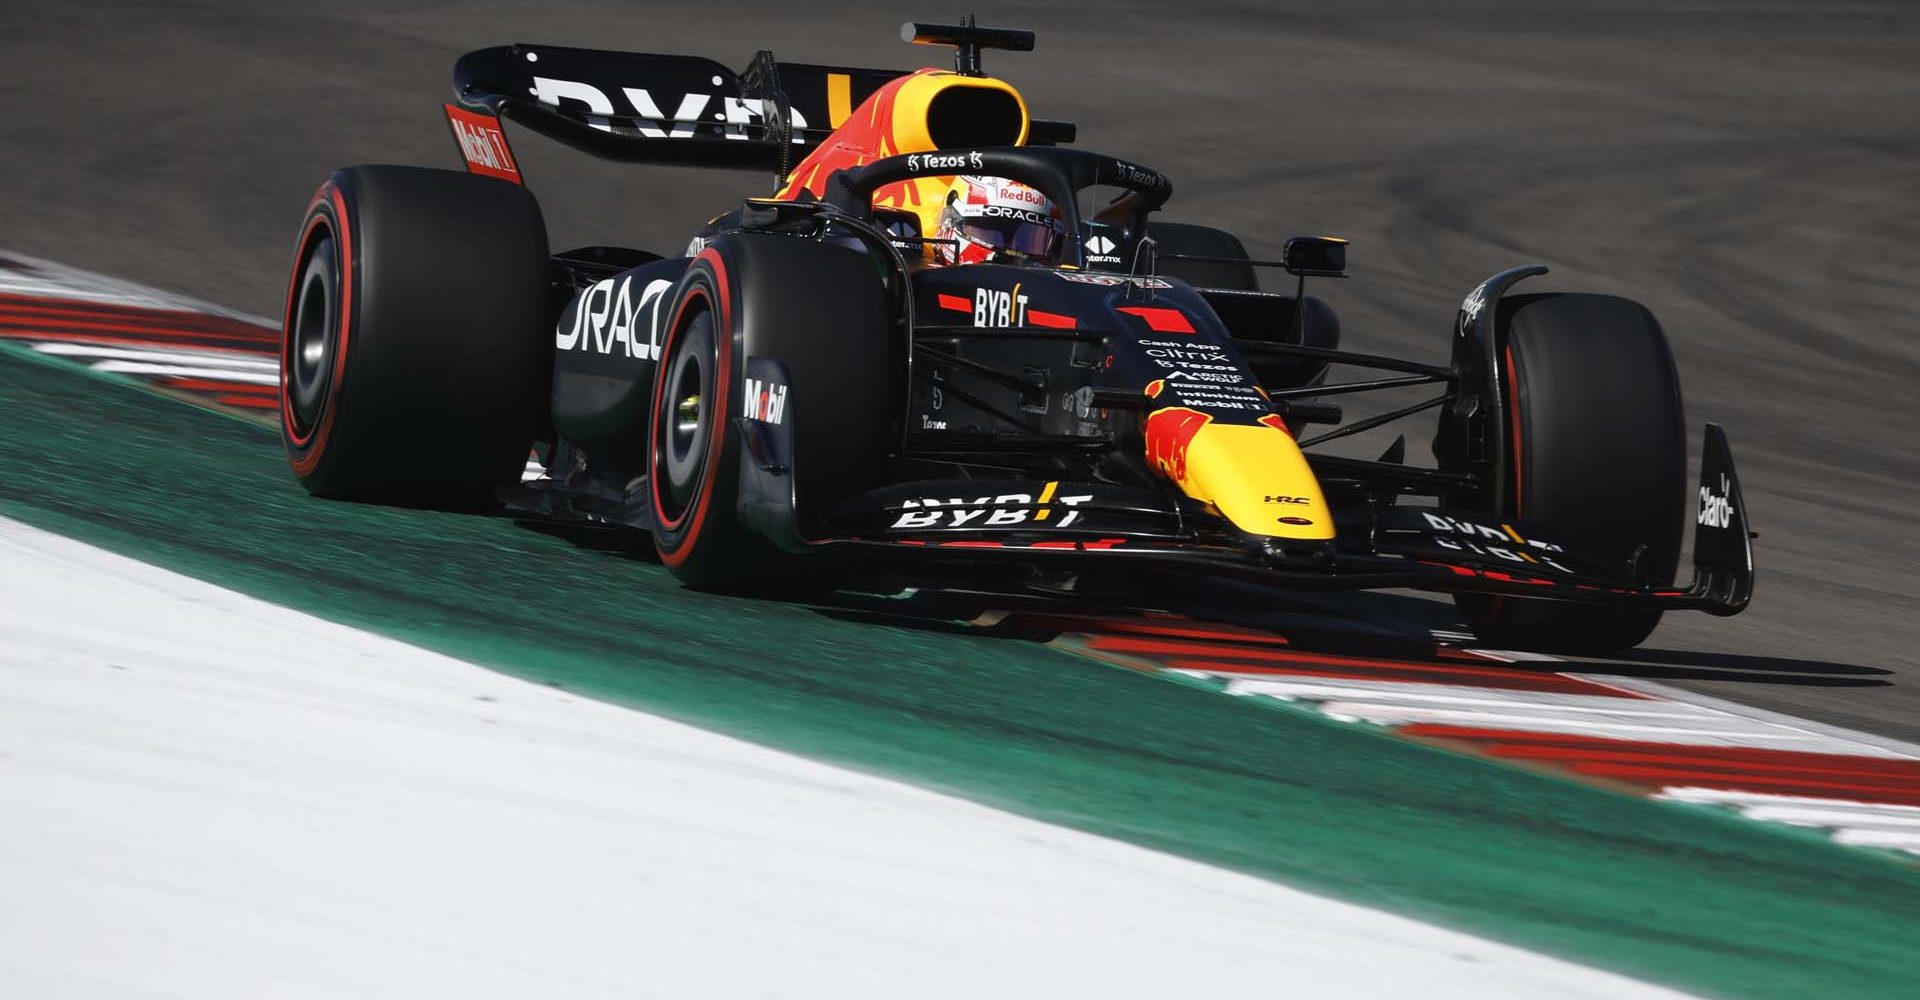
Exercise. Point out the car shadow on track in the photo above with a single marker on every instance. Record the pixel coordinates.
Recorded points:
(1689, 665)
(1343, 625)
(1366, 624)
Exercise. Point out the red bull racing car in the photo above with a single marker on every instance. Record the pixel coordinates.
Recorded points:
(921, 347)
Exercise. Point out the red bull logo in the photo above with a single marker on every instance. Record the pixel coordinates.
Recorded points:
(1169, 432)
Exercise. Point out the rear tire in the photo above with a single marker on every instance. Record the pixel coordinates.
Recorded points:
(846, 387)
(1597, 435)
(416, 342)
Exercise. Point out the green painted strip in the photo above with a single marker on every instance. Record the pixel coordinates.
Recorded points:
(1688, 897)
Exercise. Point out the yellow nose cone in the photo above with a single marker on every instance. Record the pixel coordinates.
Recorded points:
(1254, 475)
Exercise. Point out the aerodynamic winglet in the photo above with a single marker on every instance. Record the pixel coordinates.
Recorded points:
(1722, 537)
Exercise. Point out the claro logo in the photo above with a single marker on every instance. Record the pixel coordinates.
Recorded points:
(690, 115)
(1716, 509)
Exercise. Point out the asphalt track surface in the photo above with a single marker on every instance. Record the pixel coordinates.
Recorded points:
(1748, 170)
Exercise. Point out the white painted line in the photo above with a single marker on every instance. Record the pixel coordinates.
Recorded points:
(1395, 715)
(224, 359)
(1469, 696)
(47, 279)
(1732, 797)
(1896, 840)
(1801, 816)
(1848, 741)
(185, 371)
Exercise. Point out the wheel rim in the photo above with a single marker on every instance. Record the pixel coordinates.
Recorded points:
(686, 420)
(311, 345)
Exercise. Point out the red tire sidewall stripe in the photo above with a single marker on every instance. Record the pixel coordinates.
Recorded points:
(1499, 601)
(311, 448)
(1513, 422)
(676, 549)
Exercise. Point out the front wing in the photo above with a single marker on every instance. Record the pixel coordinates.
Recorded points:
(1104, 528)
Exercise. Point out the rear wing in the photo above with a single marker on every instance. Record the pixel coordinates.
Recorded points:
(642, 108)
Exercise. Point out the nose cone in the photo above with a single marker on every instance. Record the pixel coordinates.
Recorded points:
(1253, 474)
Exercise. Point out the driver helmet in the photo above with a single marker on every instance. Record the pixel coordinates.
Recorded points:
(988, 217)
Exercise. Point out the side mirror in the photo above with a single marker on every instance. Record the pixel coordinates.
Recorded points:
(1320, 256)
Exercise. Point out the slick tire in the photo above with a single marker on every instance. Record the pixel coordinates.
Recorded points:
(417, 337)
(1598, 438)
(823, 312)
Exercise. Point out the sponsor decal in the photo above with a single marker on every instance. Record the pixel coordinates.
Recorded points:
(1716, 509)
(1100, 250)
(766, 401)
(1168, 434)
(1189, 356)
(945, 161)
(1131, 174)
(610, 319)
(1111, 280)
(1211, 396)
(1476, 300)
(1283, 499)
(695, 246)
(1198, 363)
(992, 307)
(1474, 537)
(1015, 212)
(1294, 520)
(1225, 378)
(689, 118)
(1020, 192)
(482, 144)
(1004, 511)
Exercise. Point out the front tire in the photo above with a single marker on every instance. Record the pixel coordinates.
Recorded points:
(822, 312)
(1597, 436)
(416, 342)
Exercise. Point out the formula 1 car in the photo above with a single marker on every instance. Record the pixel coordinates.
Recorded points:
(800, 389)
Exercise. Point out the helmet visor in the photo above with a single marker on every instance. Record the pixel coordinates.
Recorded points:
(1034, 239)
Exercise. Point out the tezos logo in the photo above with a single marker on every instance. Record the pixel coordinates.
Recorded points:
(1716, 509)
(1137, 175)
(945, 161)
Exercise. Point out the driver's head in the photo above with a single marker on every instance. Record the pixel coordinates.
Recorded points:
(987, 217)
